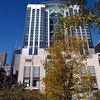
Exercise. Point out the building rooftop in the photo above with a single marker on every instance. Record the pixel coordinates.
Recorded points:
(54, 1)
(35, 6)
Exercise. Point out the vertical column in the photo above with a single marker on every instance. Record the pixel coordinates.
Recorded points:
(30, 24)
(39, 28)
(48, 29)
(65, 12)
(76, 32)
(34, 31)
(31, 75)
(68, 12)
(86, 37)
(81, 33)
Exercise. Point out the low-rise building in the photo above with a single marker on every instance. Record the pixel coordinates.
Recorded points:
(8, 69)
(31, 70)
(3, 58)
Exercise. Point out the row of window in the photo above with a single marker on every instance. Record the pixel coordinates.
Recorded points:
(35, 75)
(89, 69)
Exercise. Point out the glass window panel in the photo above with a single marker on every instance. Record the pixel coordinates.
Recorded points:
(27, 71)
(71, 11)
(34, 83)
(30, 51)
(35, 51)
(36, 71)
(91, 70)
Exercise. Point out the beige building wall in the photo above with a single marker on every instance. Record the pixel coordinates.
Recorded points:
(94, 61)
(39, 60)
(31, 61)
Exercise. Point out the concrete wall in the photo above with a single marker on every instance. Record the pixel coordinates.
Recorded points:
(93, 61)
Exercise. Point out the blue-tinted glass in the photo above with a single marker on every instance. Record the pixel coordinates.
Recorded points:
(26, 29)
(32, 28)
(30, 51)
(35, 51)
(31, 43)
(71, 11)
(75, 12)
(90, 43)
(25, 43)
(36, 31)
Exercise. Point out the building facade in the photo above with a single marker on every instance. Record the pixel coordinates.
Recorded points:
(8, 69)
(93, 65)
(36, 28)
(16, 60)
(36, 40)
(97, 47)
(3, 58)
(40, 23)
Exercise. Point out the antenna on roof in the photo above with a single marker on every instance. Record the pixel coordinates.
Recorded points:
(17, 46)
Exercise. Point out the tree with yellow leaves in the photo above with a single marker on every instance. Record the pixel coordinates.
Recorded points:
(65, 79)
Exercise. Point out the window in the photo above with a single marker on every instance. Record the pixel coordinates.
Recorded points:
(25, 43)
(75, 11)
(30, 51)
(31, 43)
(66, 13)
(36, 76)
(26, 78)
(34, 83)
(90, 43)
(49, 56)
(91, 70)
(36, 43)
(71, 11)
(99, 55)
(35, 50)
(26, 71)
(36, 72)
(83, 70)
(99, 62)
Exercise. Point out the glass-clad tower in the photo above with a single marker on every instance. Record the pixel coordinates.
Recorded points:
(40, 23)
(58, 8)
(36, 28)
(36, 39)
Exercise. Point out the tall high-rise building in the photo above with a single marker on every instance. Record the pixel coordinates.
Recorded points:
(3, 58)
(36, 28)
(16, 60)
(57, 9)
(36, 39)
(40, 23)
